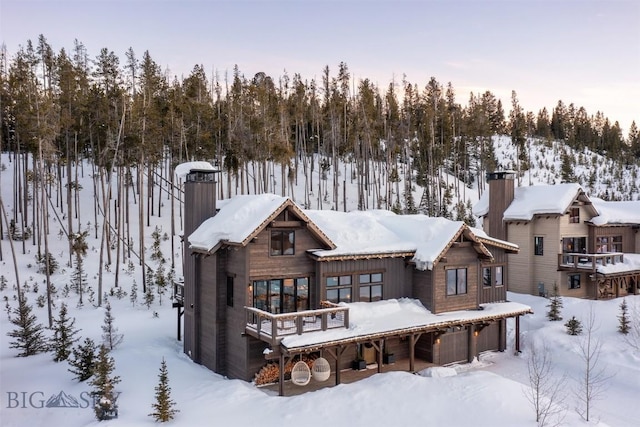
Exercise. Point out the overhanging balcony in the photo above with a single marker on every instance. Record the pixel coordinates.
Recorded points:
(271, 328)
(587, 262)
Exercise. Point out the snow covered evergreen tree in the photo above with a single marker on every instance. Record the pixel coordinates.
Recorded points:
(555, 305)
(625, 323)
(29, 334)
(574, 326)
(163, 406)
(103, 383)
(110, 336)
(64, 334)
(83, 359)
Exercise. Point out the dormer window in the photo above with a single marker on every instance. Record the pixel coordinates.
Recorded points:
(574, 216)
(282, 242)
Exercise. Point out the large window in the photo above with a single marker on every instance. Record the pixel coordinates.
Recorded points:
(538, 245)
(574, 216)
(456, 281)
(370, 287)
(574, 281)
(486, 276)
(282, 242)
(606, 244)
(281, 295)
(574, 245)
(338, 289)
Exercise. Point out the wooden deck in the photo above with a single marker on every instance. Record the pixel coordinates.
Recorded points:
(347, 376)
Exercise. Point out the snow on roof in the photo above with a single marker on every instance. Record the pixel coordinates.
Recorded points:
(236, 220)
(630, 262)
(380, 231)
(184, 168)
(368, 318)
(533, 200)
(481, 234)
(616, 212)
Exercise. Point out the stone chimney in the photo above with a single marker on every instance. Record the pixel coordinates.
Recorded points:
(501, 193)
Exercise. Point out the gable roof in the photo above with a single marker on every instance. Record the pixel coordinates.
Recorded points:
(616, 213)
(352, 235)
(534, 200)
(241, 218)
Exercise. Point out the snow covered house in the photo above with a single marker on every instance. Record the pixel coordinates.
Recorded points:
(265, 280)
(587, 247)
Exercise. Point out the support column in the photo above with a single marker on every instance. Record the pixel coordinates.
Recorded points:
(281, 375)
(472, 349)
(518, 334)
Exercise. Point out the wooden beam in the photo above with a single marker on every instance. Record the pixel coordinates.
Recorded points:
(518, 334)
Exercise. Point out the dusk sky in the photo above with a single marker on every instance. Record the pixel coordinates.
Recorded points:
(578, 51)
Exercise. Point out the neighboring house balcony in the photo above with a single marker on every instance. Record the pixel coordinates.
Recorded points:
(588, 262)
(271, 328)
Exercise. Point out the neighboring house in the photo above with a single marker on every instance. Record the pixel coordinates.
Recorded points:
(588, 248)
(266, 280)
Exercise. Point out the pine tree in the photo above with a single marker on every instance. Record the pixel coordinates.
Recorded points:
(29, 335)
(574, 327)
(83, 359)
(163, 406)
(103, 383)
(555, 305)
(63, 335)
(625, 323)
(133, 295)
(110, 336)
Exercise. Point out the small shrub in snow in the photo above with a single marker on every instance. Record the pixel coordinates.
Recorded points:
(103, 383)
(64, 335)
(555, 305)
(574, 327)
(82, 360)
(29, 335)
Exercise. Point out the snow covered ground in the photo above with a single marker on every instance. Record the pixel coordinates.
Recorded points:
(489, 392)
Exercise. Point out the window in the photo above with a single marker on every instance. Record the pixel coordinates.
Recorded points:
(486, 276)
(574, 245)
(282, 242)
(499, 280)
(574, 281)
(338, 289)
(230, 291)
(574, 216)
(538, 244)
(370, 287)
(281, 295)
(456, 281)
(605, 244)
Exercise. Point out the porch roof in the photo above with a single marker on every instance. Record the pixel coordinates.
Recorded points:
(397, 317)
(630, 262)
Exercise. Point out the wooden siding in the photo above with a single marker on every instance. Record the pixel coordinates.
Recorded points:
(457, 257)
(545, 267)
(264, 266)
(628, 234)
(206, 303)
(501, 192)
(237, 345)
(396, 275)
(422, 288)
(453, 347)
(489, 338)
(493, 293)
(519, 265)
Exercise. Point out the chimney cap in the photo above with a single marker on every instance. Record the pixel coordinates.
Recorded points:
(504, 174)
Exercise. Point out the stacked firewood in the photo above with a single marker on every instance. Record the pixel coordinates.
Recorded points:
(270, 373)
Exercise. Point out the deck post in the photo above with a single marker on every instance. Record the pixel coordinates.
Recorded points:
(518, 334)
(412, 347)
(281, 375)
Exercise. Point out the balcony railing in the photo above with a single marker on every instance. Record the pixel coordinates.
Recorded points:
(272, 328)
(178, 294)
(577, 261)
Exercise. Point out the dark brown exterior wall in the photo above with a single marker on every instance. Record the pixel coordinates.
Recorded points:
(627, 232)
(422, 288)
(457, 257)
(396, 275)
(501, 193)
(494, 293)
